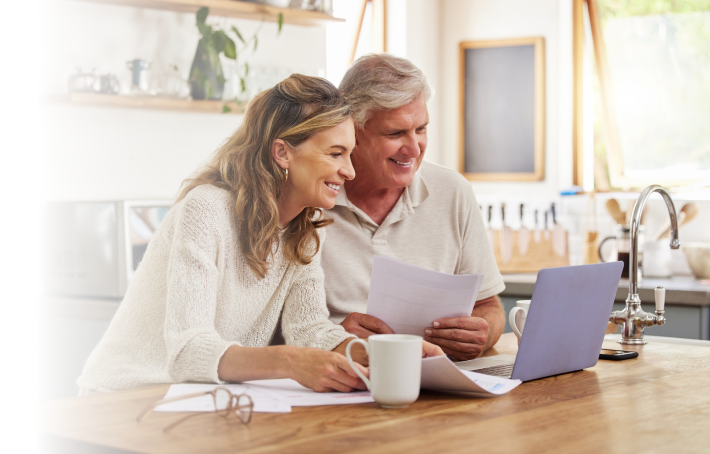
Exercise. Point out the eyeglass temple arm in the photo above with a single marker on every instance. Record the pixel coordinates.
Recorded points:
(150, 407)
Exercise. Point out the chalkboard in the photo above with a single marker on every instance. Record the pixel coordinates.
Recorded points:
(502, 109)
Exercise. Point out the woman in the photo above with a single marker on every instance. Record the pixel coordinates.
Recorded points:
(239, 250)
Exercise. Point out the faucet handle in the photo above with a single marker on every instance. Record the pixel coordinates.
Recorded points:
(660, 298)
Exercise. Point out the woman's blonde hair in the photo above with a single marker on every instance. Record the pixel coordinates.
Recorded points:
(293, 111)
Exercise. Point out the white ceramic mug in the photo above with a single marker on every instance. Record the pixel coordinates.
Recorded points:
(395, 368)
(517, 324)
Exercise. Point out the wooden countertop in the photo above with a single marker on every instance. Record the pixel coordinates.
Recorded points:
(683, 290)
(658, 402)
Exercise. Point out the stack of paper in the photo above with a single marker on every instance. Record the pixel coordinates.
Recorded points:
(278, 396)
(440, 374)
(409, 298)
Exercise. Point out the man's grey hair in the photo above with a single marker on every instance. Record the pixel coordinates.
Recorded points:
(382, 82)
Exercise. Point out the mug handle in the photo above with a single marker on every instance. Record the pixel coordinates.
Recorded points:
(511, 320)
(352, 364)
(599, 249)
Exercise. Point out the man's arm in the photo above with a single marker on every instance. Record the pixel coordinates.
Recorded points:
(466, 338)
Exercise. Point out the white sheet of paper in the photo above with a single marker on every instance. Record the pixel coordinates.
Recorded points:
(291, 392)
(408, 298)
(440, 374)
(263, 403)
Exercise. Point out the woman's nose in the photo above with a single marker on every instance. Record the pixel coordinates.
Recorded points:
(347, 171)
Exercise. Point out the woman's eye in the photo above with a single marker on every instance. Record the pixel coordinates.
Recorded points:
(335, 155)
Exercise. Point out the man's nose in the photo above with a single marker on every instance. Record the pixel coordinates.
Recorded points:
(411, 146)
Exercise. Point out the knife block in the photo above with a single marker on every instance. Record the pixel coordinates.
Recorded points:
(539, 255)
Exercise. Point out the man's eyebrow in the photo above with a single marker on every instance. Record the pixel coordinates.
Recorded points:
(424, 125)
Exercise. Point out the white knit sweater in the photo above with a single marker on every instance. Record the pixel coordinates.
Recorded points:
(193, 296)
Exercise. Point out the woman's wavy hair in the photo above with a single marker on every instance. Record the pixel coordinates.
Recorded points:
(294, 110)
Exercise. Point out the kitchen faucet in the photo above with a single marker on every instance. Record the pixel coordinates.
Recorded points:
(632, 318)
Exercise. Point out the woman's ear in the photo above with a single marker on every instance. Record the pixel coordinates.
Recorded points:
(281, 153)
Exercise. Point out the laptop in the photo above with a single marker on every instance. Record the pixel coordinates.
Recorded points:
(565, 326)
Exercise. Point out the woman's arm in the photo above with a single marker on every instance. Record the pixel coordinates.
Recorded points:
(194, 348)
(313, 368)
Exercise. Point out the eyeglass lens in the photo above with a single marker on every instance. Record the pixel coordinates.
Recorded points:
(243, 407)
(222, 399)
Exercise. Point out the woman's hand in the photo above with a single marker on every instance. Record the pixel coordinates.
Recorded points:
(429, 350)
(324, 371)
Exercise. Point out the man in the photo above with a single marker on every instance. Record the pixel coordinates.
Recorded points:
(402, 207)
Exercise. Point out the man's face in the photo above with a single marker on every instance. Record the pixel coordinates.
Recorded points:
(391, 146)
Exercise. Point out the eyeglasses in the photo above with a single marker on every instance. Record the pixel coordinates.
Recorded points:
(226, 405)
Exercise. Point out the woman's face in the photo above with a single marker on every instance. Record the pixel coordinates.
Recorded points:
(319, 166)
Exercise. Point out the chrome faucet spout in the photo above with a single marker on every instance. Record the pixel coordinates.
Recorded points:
(632, 318)
(634, 229)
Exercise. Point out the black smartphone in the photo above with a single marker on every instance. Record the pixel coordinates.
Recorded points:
(617, 355)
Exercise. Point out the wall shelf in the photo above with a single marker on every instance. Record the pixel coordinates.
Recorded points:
(232, 8)
(142, 102)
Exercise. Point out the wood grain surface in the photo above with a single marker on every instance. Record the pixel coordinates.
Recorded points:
(658, 402)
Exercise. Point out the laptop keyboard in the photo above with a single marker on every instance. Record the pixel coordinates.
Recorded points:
(505, 370)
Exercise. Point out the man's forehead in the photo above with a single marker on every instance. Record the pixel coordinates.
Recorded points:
(414, 114)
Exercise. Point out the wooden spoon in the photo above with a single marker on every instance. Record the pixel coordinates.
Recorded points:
(685, 215)
(612, 206)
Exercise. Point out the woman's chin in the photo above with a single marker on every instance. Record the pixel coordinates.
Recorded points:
(325, 204)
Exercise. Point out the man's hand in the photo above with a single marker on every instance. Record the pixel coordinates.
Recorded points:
(364, 326)
(461, 338)
(468, 337)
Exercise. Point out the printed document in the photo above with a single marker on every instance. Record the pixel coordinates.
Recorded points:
(291, 392)
(440, 374)
(269, 396)
(408, 298)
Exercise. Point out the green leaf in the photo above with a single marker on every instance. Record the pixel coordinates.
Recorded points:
(281, 22)
(239, 35)
(226, 109)
(256, 39)
(246, 69)
(242, 84)
(219, 41)
(230, 49)
(204, 29)
(202, 14)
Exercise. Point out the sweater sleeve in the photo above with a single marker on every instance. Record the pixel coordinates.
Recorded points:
(194, 347)
(305, 320)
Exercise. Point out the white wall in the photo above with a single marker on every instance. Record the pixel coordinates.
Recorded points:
(470, 20)
(91, 153)
(413, 33)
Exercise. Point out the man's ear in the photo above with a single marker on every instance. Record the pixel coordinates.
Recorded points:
(281, 153)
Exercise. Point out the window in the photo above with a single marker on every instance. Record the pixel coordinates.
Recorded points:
(651, 95)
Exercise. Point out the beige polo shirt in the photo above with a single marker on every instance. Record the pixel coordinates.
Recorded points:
(436, 224)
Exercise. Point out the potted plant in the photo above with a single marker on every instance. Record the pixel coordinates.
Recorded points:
(206, 74)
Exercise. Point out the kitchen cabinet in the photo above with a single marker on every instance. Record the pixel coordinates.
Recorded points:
(70, 328)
